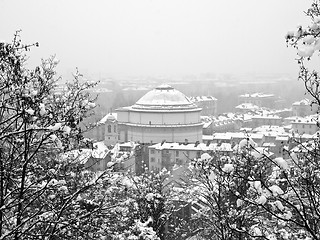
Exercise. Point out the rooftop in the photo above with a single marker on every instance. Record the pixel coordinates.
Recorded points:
(302, 102)
(256, 95)
(164, 97)
(192, 146)
(202, 98)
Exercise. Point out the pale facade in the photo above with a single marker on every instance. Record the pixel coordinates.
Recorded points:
(162, 114)
(258, 99)
(307, 125)
(111, 130)
(207, 103)
(303, 108)
(169, 155)
(259, 120)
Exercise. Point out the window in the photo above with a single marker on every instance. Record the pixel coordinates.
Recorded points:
(177, 153)
(115, 128)
(109, 128)
(152, 151)
(179, 161)
(152, 159)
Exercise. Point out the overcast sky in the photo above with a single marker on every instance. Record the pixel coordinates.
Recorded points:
(158, 37)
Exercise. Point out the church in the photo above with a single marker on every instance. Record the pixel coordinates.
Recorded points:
(162, 114)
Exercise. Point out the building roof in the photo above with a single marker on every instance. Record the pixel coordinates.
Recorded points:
(305, 101)
(109, 117)
(256, 95)
(247, 106)
(81, 156)
(311, 119)
(202, 98)
(164, 97)
(266, 117)
(223, 147)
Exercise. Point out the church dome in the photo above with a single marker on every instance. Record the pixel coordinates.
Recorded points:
(164, 96)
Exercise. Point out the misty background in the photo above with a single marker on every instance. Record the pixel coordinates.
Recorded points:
(224, 48)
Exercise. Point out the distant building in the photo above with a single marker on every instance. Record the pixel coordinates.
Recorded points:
(306, 125)
(173, 155)
(246, 107)
(219, 124)
(259, 99)
(303, 108)
(111, 135)
(93, 159)
(233, 138)
(163, 113)
(207, 103)
(260, 120)
(106, 130)
(123, 156)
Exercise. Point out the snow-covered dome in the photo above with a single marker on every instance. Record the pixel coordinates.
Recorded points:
(164, 96)
(110, 117)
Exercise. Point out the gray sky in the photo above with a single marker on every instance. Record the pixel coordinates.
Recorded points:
(161, 37)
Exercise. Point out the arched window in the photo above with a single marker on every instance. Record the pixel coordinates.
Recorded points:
(115, 128)
(109, 128)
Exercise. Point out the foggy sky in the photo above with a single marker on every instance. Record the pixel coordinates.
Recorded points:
(158, 37)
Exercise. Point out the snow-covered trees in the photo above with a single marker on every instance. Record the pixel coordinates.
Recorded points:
(248, 196)
(252, 195)
(43, 191)
(307, 42)
(142, 207)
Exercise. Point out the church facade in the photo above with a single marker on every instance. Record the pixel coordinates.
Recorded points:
(162, 114)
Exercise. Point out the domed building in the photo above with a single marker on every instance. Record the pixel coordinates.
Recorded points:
(163, 113)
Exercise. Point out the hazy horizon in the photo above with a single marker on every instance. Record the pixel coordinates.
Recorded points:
(158, 37)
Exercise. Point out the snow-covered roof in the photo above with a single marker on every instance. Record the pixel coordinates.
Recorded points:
(305, 101)
(222, 136)
(192, 146)
(306, 120)
(266, 117)
(256, 95)
(109, 117)
(99, 150)
(163, 96)
(246, 135)
(207, 124)
(232, 135)
(260, 152)
(247, 106)
(266, 129)
(282, 138)
(123, 151)
(268, 144)
(202, 98)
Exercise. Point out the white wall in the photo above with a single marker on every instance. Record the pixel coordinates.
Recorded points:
(156, 135)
